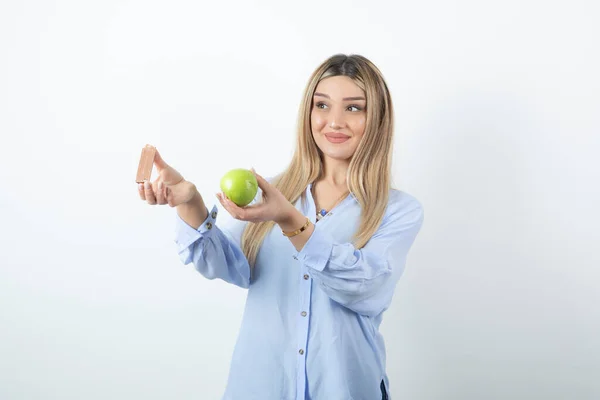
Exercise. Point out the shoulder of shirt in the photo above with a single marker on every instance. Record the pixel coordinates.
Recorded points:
(401, 203)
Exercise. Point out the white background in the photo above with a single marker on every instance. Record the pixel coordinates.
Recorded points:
(498, 122)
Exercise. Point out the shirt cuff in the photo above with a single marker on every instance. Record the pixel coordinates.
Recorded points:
(317, 250)
(185, 235)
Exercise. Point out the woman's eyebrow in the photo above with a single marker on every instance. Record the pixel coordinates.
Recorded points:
(345, 98)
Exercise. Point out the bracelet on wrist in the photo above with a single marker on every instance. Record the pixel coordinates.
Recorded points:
(298, 231)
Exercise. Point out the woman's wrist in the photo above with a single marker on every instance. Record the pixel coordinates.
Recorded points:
(297, 228)
(293, 221)
(193, 211)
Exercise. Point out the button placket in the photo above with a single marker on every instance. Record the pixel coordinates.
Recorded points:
(305, 286)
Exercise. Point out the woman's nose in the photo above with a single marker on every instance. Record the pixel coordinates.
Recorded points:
(336, 120)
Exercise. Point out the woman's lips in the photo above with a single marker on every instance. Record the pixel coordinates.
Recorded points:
(336, 138)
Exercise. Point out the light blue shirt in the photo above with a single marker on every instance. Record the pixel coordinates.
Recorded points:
(310, 328)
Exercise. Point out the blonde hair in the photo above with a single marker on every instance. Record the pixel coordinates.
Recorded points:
(369, 173)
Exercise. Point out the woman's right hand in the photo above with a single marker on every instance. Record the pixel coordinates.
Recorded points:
(169, 188)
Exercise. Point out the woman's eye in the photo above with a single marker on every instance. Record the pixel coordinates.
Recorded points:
(320, 105)
(354, 108)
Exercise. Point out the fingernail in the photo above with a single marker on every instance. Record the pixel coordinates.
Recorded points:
(140, 186)
(147, 184)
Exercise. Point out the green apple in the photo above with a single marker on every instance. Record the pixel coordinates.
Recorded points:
(240, 186)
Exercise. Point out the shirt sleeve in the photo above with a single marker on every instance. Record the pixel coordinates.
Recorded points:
(364, 280)
(215, 252)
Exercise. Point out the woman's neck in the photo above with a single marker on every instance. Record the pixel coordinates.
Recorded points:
(334, 173)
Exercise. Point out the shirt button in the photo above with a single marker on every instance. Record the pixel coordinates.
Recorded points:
(305, 277)
(303, 313)
(214, 214)
(208, 225)
(301, 352)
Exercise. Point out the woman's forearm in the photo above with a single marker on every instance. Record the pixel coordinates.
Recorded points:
(193, 212)
(294, 221)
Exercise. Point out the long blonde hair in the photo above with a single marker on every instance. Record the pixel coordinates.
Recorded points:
(369, 172)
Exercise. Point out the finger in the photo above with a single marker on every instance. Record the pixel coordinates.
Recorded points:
(236, 211)
(165, 190)
(160, 193)
(170, 197)
(222, 202)
(141, 191)
(227, 205)
(159, 162)
(262, 182)
(150, 198)
(252, 213)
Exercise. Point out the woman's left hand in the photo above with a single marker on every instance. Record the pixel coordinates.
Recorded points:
(274, 207)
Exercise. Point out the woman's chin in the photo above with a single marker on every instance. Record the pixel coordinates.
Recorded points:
(337, 155)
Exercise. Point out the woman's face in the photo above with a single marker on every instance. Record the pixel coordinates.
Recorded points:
(338, 116)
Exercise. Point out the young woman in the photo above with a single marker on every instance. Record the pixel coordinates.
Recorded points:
(320, 249)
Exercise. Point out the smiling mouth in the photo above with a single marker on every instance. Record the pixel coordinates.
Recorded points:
(336, 137)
